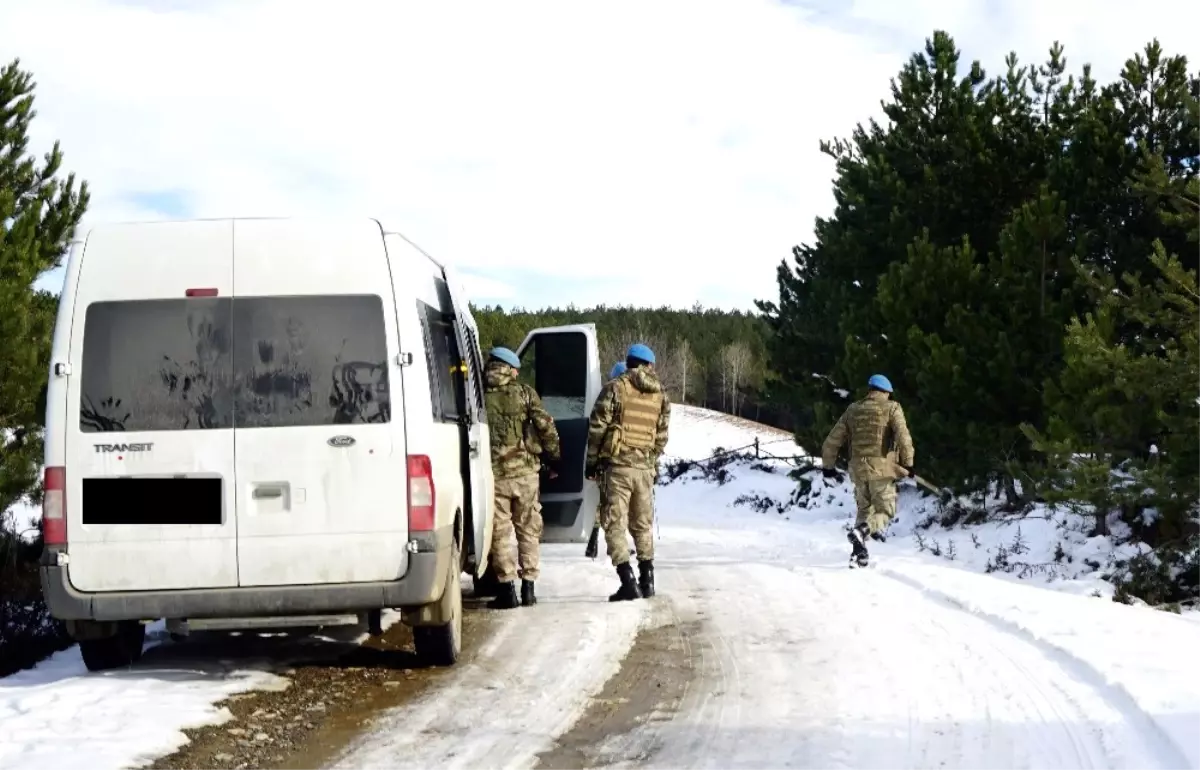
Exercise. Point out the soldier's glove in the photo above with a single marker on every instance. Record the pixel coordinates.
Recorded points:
(908, 468)
(551, 465)
(591, 471)
(831, 473)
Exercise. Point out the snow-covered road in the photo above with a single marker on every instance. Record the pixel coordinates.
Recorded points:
(763, 650)
(821, 666)
(789, 665)
(789, 659)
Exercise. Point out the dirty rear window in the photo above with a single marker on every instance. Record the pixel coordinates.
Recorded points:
(249, 362)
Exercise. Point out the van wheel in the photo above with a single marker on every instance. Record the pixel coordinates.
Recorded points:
(121, 650)
(441, 645)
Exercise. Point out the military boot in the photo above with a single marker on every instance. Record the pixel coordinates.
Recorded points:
(646, 578)
(858, 544)
(528, 598)
(629, 589)
(506, 598)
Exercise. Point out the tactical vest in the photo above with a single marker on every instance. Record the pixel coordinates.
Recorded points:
(639, 416)
(869, 432)
(509, 423)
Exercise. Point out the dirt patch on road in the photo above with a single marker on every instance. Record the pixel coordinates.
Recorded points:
(619, 723)
(334, 690)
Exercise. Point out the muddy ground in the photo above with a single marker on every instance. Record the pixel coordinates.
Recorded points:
(335, 687)
(653, 679)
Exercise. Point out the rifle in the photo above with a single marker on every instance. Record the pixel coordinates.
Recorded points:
(944, 494)
(593, 543)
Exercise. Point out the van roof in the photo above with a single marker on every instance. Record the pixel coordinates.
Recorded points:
(328, 218)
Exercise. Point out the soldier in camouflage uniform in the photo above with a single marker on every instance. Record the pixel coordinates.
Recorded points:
(523, 437)
(626, 436)
(873, 427)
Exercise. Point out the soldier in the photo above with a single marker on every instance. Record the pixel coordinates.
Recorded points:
(873, 426)
(523, 437)
(592, 546)
(626, 436)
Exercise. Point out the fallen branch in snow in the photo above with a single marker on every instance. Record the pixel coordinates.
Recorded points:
(715, 466)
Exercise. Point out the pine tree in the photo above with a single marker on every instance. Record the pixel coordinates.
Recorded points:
(921, 204)
(38, 216)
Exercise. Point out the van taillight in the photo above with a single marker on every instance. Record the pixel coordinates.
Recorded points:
(54, 507)
(200, 293)
(422, 497)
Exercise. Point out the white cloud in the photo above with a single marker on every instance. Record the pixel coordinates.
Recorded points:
(673, 142)
(482, 286)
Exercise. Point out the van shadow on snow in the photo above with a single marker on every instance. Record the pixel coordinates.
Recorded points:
(216, 653)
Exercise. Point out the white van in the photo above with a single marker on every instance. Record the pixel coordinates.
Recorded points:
(258, 422)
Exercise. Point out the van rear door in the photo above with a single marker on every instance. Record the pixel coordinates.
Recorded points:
(149, 460)
(562, 363)
(479, 484)
(321, 464)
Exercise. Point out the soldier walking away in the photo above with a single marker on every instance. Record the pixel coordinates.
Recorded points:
(626, 436)
(523, 438)
(880, 446)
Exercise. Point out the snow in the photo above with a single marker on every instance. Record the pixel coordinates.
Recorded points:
(531, 681)
(696, 433)
(1105, 643)
(1141, 702)
(794, 659)
(829, 667)
(57, 715)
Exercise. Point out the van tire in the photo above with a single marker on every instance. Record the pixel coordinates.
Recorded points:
(442, 645)
(120, 650)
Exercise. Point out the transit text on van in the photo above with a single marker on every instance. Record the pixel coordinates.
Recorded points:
(124, 447)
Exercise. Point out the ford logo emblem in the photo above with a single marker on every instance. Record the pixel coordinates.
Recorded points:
(341, 441)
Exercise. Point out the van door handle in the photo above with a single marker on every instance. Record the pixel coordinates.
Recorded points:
(267, 492)
(474, 447)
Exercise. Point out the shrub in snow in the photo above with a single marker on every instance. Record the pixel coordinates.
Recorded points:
(27, 632)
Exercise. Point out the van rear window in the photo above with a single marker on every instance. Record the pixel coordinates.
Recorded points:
(246, 362)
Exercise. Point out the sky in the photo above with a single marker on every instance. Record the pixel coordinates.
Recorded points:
(660, 152)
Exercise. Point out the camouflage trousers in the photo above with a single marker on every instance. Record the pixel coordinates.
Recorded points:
(517, 508)
(876, 502)
(627, 506)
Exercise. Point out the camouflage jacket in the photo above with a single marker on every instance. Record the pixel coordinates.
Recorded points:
(629, 423)
(878, 437)
(521, 429)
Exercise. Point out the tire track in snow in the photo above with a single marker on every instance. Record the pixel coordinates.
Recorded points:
(844, 669)
(624, 722)
(1155, 740)
(529, 683)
